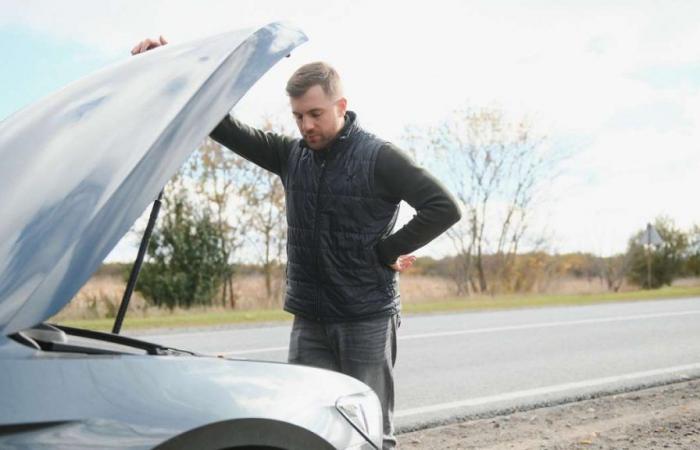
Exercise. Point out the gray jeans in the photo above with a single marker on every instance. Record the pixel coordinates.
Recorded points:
(364, 349)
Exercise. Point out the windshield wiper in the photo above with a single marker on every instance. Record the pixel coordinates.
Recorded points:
(136, 268)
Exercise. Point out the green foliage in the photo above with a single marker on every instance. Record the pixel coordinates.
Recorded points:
(659, 265)
(184, 267)
(692, 263)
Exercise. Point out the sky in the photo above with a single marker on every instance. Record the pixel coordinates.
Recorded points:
(616, 84)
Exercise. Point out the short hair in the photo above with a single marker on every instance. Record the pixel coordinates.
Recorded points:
(312, 74)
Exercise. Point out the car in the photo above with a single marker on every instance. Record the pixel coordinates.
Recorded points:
(78, 168)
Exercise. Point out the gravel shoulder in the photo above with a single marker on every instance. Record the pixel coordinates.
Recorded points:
(661, 417)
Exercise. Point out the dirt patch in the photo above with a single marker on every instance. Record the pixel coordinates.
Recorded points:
(657, 418)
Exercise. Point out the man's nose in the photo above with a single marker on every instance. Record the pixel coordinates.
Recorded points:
(306, 123)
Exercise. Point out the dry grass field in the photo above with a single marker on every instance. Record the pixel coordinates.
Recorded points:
(100, 297)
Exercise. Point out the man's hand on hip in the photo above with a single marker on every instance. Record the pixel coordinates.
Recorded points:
(403, 262)
(148, 44)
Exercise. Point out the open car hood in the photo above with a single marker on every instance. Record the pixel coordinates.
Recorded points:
(80, 166)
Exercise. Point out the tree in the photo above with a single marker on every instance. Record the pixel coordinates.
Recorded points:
(692, 256)
(666, 259)
(231, 203)
(184, 258)
(614, 269)
(220, 180)
(494, 166)
(198, 231)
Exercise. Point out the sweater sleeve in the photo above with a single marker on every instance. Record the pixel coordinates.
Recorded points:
(268, 150)
(398, 178)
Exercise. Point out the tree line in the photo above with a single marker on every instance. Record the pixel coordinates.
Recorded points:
(647, 267)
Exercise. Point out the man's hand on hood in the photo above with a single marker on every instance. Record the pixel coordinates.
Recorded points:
(148, 44)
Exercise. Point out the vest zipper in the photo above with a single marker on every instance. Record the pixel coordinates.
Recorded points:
(317, 239)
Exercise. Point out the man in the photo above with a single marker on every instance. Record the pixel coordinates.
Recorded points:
(343, 186)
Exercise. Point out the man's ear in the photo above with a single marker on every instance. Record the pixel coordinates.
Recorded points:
(342, 106)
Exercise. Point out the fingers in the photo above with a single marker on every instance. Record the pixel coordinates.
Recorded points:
(406, 261)
(141, 47)
(148, 44)
(403, 262)
(407, 258)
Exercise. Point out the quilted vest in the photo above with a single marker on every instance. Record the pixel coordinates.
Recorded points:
(335, 219)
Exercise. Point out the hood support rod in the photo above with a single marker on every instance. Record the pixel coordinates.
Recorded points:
(136, 268)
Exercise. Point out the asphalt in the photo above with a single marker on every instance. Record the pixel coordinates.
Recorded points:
(465, 365)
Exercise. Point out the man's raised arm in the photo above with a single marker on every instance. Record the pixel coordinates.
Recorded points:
(268, 150)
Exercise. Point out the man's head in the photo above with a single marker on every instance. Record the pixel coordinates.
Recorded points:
(316, 96)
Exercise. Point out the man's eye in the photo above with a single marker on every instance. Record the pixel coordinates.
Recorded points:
(315, 114)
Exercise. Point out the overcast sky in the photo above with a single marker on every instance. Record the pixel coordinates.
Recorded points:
(617, 83)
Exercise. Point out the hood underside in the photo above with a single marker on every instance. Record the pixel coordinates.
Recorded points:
(79, 167)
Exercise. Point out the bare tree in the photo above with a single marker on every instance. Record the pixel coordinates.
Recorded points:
(494, 166)
(266, 201)
(613, 270)
(220, 181)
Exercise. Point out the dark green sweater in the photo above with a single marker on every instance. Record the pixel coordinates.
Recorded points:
(397, 178)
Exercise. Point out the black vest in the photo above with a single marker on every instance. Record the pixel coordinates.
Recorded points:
(335, 219)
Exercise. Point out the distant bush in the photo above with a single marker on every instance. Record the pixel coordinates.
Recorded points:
(184, 267)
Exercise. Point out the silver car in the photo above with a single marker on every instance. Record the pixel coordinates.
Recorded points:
(76, 170)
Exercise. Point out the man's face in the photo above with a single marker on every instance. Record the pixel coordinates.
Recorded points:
(318, 116)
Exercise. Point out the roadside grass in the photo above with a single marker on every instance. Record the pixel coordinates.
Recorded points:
(180, 319)
(515, 301)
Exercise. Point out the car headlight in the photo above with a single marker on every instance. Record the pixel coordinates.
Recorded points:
(364, 412)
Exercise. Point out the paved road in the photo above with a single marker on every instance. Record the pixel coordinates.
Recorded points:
(453, 365)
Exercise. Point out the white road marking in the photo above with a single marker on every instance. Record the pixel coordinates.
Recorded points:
(564, 323)
(536, 392)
